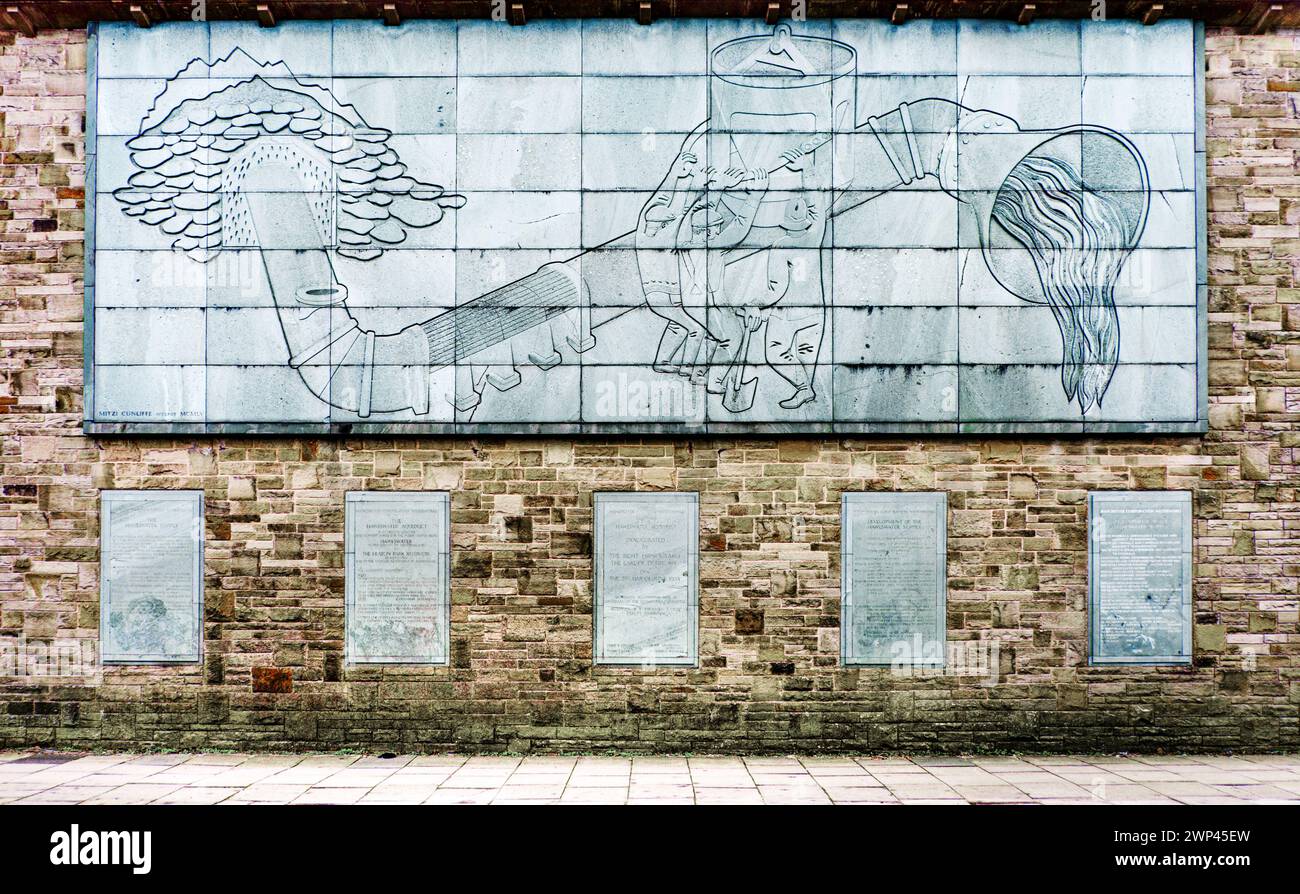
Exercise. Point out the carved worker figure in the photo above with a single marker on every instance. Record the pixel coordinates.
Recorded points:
(775, 104)
(696, 213)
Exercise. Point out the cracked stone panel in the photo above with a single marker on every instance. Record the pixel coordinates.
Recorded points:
(1034, 101)
(984, 159)
(879, 94)
(138, 393)
(128, 51)
(149, 279)
(895, 393)
(1150, 276)
(992, 335)
(895, 335)
(1133, 48)
(637, 104)
(1152, 104)
(605, 215)
(1136, 393)
(153, 336)
(894, 277)
(495, 220)
(994, 47)
(1170, 161)
(519, 162)
(511, 104)
(1167, 220)
(495, 48)
(924, 47)
(419, 48)
(671, 47)
(1163, 226)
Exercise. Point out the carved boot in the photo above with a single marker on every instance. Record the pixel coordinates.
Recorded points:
(670, 346)
(802, 395)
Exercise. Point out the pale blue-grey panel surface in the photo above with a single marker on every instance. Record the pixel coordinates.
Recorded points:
(701, 225)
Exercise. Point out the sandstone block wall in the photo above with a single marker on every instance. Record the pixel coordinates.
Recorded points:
(521, 675)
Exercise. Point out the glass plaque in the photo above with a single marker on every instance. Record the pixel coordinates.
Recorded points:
(647, 553)
(151, 576)
(1140, 577)
(894, 579)
(398, 595)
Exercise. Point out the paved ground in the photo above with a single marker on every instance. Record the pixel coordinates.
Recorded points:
(45, 778)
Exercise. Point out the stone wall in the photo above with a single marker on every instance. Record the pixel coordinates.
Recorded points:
(521, 675)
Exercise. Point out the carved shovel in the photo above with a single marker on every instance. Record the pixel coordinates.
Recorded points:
(738, 395)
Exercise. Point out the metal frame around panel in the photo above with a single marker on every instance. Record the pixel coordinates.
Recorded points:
(416, 429)
(106, 499)
(847, 498)
(88, 261)
(352, 498)
(1184, 499)
(689, 499)
(1200, 163)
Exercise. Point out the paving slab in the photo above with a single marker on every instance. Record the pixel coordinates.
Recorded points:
(70, 778)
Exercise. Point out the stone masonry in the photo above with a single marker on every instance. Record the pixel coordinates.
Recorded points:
(521, 676)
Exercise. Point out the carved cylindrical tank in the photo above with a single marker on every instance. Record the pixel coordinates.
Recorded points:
(774, 93)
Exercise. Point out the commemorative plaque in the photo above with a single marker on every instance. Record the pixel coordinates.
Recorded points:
(151, 576)
(397, 584)
(894, 578)
(1140, 577)
(647, 552)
